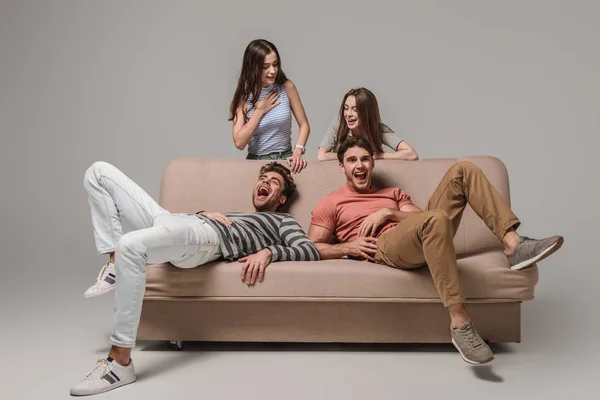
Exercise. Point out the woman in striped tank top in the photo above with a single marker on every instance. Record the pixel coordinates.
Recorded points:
(262, 108)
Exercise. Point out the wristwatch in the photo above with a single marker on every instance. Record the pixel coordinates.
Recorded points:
(299, 146)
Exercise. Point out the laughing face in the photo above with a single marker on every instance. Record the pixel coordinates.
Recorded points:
(351, 113)
(358, 166)
(268, 192)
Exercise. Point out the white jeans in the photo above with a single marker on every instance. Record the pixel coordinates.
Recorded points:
(158, 236)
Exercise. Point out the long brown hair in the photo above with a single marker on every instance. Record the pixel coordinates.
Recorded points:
(250, 83)
(368, 115)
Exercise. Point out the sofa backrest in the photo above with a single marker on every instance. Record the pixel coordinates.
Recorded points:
(194, 184)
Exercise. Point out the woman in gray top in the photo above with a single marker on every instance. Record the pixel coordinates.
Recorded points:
(359, 116)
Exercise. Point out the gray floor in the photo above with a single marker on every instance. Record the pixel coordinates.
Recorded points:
(56, 336)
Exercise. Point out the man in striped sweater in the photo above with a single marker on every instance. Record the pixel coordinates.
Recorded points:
(255, 239)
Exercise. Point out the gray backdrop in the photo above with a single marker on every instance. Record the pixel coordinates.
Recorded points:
(136, 83)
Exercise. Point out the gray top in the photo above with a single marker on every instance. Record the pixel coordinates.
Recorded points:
(390, 138)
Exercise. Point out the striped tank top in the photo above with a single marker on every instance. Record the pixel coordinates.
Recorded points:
(274, 132)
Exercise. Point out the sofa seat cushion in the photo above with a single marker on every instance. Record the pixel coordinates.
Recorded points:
(485, 277)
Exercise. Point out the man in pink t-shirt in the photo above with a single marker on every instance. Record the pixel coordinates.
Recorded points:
(384, 226)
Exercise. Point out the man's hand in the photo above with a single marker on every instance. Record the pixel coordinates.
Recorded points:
(255, 265)
(362, 247)
(218, 216)
(370, 224)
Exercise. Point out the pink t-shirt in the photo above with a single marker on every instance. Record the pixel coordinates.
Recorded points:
(343, 210)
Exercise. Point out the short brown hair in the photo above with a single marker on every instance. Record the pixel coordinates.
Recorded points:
(288, 182)
(353, 141)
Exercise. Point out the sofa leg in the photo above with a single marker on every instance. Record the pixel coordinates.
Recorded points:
(177, 344)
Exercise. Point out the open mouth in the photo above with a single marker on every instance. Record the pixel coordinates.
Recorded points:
(262, 192)
(361, 177)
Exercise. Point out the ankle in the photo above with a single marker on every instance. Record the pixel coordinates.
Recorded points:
(458, 315)
(510, 241)
(122, 356)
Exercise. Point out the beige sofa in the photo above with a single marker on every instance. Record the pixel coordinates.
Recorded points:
(329, 300)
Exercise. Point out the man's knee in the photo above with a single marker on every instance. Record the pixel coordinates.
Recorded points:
(94, 172)
(462, 167)
(130, 245)
(438, 220)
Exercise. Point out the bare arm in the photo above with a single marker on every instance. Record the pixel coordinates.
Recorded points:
(326, 155)
(298, 111)
(363, 247)
(404, 151)
(297, 163)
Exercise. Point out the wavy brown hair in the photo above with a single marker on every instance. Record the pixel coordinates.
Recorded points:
(250, 83)
(368, 115)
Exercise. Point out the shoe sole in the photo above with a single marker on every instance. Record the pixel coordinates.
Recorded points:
(473, 362)
(544, 254)
(104, 389)
(100, 293)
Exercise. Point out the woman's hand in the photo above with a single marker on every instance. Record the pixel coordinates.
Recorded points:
(296, 162)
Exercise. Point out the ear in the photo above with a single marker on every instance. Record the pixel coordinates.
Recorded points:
(282, 199)
(342, 168)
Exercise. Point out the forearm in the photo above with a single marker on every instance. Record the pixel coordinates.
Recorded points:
(324, 155)
(397, 215)
(303, 133)
(330, 251)
(242, 137)
(301, 252)
(402, 154)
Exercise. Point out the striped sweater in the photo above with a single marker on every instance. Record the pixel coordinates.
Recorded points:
(252, 232)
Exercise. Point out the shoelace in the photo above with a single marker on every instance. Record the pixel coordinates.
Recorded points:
(101, 368)
(473, 338)
(101, 275)
(525, 239)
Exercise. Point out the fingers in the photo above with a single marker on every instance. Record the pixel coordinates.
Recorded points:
(366, 255)
(297, 163)
(255, 269)
(249, 273)
(244, 269)
(361, 229)
(223, 219)
(261, 273)
(272, 97)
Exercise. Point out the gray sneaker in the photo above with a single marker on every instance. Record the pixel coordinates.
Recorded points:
(529, 251)
(470, 345)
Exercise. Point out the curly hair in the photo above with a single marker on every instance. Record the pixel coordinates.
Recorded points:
(289, 186)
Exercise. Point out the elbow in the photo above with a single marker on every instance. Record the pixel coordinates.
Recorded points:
(239, 144)
(414, 156)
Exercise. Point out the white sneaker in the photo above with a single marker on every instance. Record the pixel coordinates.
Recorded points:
(104, 283)
(107, 375)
